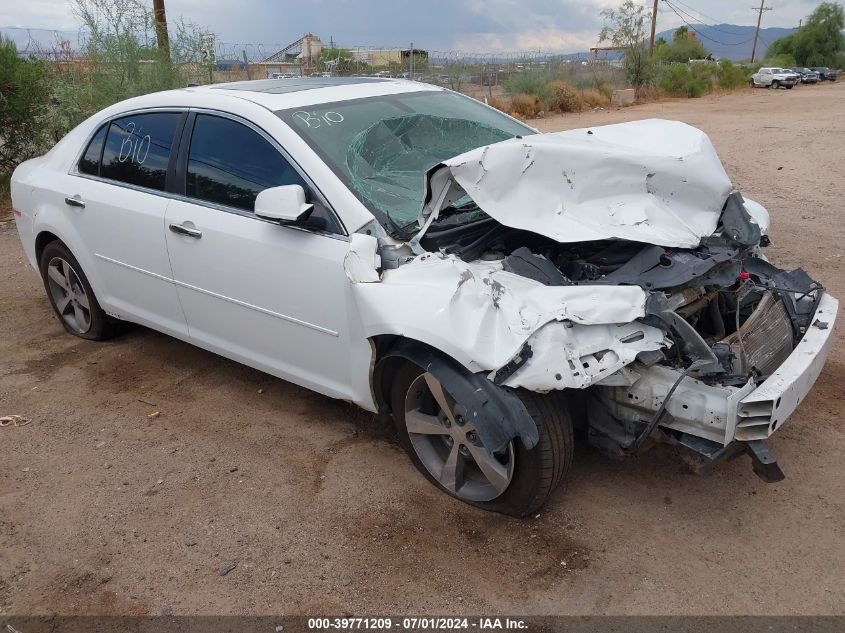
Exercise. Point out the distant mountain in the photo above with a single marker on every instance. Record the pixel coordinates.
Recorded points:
(732, 41)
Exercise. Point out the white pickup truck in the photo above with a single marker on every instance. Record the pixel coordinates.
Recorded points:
(774, 78)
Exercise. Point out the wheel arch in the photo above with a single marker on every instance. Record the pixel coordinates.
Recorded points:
(499, 413)
(47, 232)
(41, 240)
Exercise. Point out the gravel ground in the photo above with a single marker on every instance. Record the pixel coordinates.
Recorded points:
(106, 511)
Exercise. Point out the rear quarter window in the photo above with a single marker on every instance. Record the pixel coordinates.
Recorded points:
(90, 161)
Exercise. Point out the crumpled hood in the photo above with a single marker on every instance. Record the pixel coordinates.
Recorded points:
(652, 181)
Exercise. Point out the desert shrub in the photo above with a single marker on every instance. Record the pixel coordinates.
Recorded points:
(706, 73)
(593, 98)
(679, 81)
(605, 88)
(526, 105)
(529, 84)
(23, 96)
(499, 104)
(564, 97)
(730, 75)
(648, 93)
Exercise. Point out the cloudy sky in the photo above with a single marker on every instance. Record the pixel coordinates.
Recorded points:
(442, 25)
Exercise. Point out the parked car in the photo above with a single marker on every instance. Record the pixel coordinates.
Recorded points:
(825, 73)
(282, 76)
(807, 76)
(774, 78)
(429, 258)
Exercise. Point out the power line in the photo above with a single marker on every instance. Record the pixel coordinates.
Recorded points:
(699, 33)
(709, 17)
(695, 19)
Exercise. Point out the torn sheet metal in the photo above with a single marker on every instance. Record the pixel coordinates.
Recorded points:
(482, 316)
(652, 181)
(569, 356)
(362, 260)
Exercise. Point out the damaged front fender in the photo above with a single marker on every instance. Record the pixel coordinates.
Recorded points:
(483, 316)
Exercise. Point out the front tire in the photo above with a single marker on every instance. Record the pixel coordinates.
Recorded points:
(71, 295)
(447, 451)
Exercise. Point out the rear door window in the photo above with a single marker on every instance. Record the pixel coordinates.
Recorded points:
(137, 150)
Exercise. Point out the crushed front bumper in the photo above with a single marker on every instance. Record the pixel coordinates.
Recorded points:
(708, 418)
(764, 410)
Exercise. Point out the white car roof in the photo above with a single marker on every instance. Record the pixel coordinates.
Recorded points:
(269, 94)
(278, 94)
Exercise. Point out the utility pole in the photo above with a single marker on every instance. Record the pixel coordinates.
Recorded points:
(161, 27)
(757, 32)
(653, 29)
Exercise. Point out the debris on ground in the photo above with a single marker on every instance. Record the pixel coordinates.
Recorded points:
(227, 568)
(153, 415)
(14, 420)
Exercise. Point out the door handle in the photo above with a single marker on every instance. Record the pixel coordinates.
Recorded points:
(75, 201)
(186, 230)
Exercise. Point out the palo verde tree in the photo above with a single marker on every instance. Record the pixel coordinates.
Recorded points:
(625, 27)
(819, 42)
(120, 59)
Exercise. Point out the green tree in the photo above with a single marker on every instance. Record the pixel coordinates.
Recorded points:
(819, 42)
(626, 27)
(781, 46)
(336, 60)
(683, 48)
(821, 39)
(23, 103)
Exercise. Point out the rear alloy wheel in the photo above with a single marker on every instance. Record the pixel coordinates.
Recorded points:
(71, 296)
(775, 84)
(445, 446)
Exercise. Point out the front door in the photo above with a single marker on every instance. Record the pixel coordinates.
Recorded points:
(270, 296)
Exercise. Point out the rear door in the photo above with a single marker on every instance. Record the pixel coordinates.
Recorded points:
(273, 297)
(117, 205)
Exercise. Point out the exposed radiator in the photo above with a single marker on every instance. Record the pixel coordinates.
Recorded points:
(764, 340)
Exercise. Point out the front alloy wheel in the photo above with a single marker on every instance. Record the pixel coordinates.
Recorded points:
(444, 445)
(447, 444)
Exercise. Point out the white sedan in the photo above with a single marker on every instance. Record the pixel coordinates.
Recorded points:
(422, 255)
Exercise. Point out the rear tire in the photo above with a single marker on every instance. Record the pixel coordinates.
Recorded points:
(775, 84)
(71, 295)
(534, 474)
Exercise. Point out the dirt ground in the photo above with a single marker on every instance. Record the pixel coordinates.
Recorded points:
(104, 511)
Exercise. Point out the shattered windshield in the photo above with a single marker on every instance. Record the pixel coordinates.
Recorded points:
(381, 147)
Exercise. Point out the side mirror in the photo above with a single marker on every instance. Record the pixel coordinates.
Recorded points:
(285, 204)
